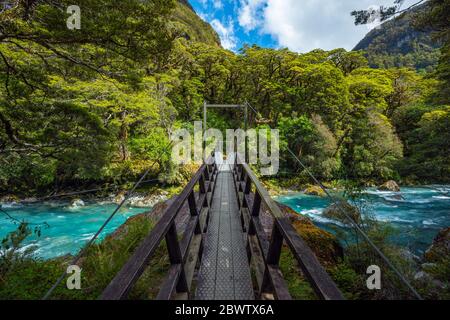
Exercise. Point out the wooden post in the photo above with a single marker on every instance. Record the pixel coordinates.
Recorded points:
(256, 204)
(175, 257)
(192, 204)
(273, 257)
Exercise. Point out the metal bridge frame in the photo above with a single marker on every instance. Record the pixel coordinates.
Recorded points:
(229, 106)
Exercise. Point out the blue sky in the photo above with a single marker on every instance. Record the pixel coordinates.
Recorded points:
(300, 25)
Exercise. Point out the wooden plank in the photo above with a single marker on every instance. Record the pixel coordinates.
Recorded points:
(280, 288)
(272, 258)
(276, 243)
(191, 259)
(175, 256)
(188, 235)
(192, 204)
(256, 205)
(263, 239)
(169, 285)
(203, 219)
(257, 259)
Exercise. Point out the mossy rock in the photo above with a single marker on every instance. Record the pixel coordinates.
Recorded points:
(315, 191)
(335, 211)
(289, 212)
(440, 249)
(324, 245)
(390, 185)
(9, 198)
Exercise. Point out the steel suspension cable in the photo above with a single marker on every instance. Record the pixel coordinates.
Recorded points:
(358, 228)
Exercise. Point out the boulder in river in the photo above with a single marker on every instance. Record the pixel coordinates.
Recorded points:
(76, 203)
(9, 199)
(315, 191)
(325, 246)
(336, 211)
(440, 247)
(390, 185)
(148, 200)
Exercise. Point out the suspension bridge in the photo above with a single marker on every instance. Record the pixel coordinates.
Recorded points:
(224, 243)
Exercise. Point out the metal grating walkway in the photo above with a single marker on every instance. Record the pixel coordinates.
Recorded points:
(224, 273)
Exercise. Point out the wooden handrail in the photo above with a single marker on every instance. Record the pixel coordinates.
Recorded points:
(165, 228)
(271, 280)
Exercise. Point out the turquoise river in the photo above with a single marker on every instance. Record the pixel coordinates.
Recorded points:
(417, 213)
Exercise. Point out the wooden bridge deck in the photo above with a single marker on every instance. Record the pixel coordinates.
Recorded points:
(225, 272)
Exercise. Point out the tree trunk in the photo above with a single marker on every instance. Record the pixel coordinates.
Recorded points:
(123, 137)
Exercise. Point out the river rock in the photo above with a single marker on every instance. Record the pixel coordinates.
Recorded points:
(9, 199)
(427, 279)
(335, 211)
(149, 200)
(30, 200)
(422, 276)
(409, 256)
(325, 246)
(142, 200)
(428, 266)
(118, 198)
(76, 203)
(440, 247)
(315, 191)
(390, 185)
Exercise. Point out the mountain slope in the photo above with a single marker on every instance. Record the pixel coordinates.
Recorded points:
(191, 26)
(396, 43)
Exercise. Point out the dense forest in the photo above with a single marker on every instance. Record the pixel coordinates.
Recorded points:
(96, 105)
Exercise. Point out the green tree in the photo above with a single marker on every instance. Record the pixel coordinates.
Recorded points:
(428, 145)
(372, 149)
(312, 141)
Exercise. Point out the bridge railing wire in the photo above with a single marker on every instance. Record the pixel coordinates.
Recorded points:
(92, 240)
(339, 203)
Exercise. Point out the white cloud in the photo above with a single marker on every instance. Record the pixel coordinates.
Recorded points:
(217, 4)
(250, 14)
(304, 25)
(203, 2)
(226, 33)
